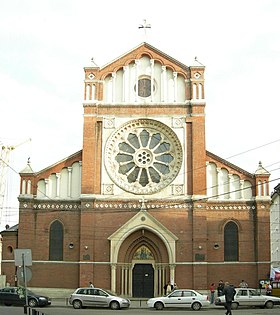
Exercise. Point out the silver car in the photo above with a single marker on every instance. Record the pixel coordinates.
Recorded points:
(180, 298)
(249, 297)
(95, 297)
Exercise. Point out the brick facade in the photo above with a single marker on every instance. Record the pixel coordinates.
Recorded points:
(180, 227)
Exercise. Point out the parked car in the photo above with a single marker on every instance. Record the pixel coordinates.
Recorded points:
(95, 297)
(275, 288)
(249, 297)
(180, 298)
(16, 296)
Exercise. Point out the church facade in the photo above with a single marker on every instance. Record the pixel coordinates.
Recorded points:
(143, 202)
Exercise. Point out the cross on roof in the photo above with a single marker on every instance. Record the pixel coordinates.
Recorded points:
(144, 26)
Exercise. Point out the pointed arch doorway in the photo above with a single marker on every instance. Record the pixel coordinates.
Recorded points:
(146, 258)
(144, 255)
(142, 241)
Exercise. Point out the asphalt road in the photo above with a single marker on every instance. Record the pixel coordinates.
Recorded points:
(68, 310)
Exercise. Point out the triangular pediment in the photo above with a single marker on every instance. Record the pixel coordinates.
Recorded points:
(143, 219)
(144, 49)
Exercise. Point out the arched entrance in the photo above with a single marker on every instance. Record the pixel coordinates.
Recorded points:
(146, 257)
(142, 255)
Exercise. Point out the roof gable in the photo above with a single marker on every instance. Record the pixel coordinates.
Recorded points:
(144, 49)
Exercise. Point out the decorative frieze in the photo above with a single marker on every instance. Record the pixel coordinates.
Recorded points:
(56, 206)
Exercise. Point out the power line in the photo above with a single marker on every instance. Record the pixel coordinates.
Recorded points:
(191, 170)
(252, 149)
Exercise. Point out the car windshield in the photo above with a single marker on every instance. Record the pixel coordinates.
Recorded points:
(109, 292)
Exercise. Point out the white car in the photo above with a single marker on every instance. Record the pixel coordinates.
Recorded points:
(249, 297)
(180, 298)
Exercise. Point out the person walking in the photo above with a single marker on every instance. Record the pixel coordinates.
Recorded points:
(220, 288)
(268, 289)
(91, 285)
(229, 293)
(212, 293)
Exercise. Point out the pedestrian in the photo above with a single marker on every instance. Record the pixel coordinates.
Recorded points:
(243, 284)
(229, 293)
(268, 289)
(91, 285)
(168, 288)
(175, 287)
(212, 293)
(220, 288)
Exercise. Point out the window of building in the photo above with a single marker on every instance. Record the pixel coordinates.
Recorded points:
(143, 156)
(231, 242)
(56, 241)
(145, 86)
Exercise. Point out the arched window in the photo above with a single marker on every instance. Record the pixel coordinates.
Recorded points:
(56, 241)
(231, 242)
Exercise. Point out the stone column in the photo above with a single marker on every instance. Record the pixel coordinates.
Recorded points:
(231, 186)
(125, 84)
(113, 87)
(152, 62)
(113, 277)
(69, 186)
(57, 184)
(157, 279)
(29, 186)
(172, 273)
(130, 280)
(175, 86)
(163, 84)
(220, 184)
(47, 187)
(80, 170)
(242, 188)
(136, 79)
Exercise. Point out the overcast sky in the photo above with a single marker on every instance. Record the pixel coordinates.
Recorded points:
(44, 46)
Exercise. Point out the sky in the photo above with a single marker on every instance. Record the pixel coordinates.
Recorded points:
(44, 46)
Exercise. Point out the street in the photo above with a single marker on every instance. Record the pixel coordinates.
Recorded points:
(68, 310)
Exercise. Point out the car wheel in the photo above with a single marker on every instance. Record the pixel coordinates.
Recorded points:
(234, 306)
(196, 306)
(77, 304)
(7, 304)
(159, 306)
(269, 304)
(32, 303)
(114, 305)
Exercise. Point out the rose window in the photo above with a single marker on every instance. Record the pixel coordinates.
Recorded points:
(143, 156)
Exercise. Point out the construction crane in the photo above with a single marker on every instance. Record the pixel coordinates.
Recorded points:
(4, 169)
